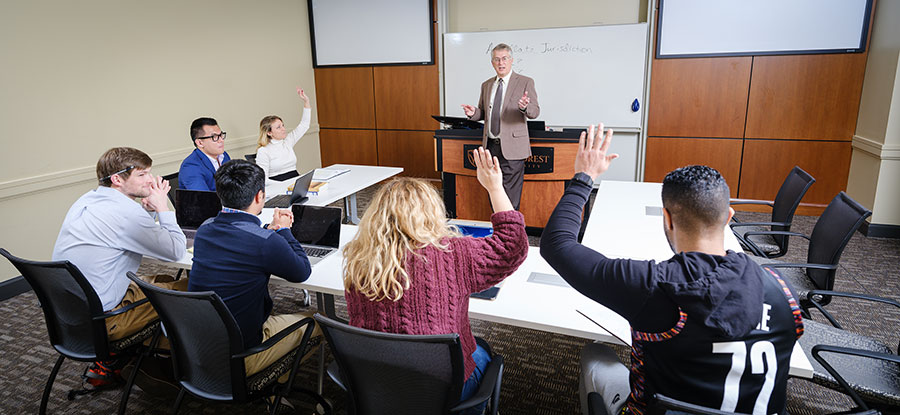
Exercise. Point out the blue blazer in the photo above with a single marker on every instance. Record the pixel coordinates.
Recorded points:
(196, 172)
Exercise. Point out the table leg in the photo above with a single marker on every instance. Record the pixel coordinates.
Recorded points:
(350, 208)
(325, 304)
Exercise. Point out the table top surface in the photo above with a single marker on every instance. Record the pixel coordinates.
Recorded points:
(358, 178)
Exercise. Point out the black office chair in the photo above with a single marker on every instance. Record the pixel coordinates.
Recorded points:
(386, 373)
(862, 367)
(76, 323)
(250, 157)
(208, 352)
(786, 202)
(840, 220)
(173, 183)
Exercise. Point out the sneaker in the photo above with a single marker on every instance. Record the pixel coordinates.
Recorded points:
(104, 373)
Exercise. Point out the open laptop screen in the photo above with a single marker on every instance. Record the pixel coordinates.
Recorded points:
(315, 225)
(193, 207)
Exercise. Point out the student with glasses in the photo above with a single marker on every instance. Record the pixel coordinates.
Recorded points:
(198, 168)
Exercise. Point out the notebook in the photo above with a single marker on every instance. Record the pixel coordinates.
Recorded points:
(318, 229)
(323, 175)
(192, 208)
(298, 195)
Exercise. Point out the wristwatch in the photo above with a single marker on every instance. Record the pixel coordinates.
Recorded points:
(583, 178)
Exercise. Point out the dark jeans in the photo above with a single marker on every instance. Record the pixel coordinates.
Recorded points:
(481, 361)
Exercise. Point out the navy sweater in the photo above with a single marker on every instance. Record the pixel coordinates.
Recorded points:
(234, 257)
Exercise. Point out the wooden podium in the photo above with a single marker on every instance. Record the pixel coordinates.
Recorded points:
(546, 173)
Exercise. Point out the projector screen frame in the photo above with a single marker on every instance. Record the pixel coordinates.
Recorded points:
(431, 34)
(863, 42)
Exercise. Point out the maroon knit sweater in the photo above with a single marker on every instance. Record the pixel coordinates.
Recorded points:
(437, 301)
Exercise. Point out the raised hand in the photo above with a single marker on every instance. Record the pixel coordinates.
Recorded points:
(469, 110)
(524, 101)
(158, 199)
(303, 97)
(592, 157)
(491, 177)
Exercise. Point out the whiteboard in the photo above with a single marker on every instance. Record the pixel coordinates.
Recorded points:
(582, 75)
(366, 32)
(742, 27)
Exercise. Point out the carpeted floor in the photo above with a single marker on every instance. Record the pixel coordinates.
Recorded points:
(541, 369)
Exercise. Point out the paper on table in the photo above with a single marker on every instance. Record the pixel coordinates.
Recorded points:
(322, 175)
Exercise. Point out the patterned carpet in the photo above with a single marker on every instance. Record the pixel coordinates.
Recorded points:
(541, 369)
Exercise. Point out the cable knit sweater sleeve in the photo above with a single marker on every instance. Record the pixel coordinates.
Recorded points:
(499, 255)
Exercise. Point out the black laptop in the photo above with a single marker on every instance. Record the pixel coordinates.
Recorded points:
(298, 195)
(192, 208)
(318, 229)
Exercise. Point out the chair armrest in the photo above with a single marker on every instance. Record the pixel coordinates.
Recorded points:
(751, 202)
(793, 265)
(670, 403)
(118, 311)
(276, 338)
(492, 375)
(826, 293)
(817, 354)
(785, 233)
(736, 224)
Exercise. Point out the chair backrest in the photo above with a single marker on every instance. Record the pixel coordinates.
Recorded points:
(787, 200)
(69, 304)
(664, 404)
(250, 157)
(830, 236)
(203, 336)
(387, 373)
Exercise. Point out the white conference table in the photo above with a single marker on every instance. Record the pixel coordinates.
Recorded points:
(344, 186)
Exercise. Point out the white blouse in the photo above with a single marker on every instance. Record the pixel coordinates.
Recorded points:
(278, 156)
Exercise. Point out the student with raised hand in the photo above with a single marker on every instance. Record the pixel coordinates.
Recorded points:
(409, 271)
(709, 326)
(275, 151)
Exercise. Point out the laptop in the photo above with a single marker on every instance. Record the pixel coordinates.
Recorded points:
(318, 229)
(298, 195)
(192, 208)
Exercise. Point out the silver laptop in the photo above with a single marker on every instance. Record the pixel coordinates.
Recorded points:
(318, 229)
(298, 195)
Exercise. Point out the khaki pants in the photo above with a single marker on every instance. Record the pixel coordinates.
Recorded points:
(257, 362)
(132, 321)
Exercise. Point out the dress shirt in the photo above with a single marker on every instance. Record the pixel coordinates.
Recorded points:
(278, 156)
(216, 161)
(105, 234)
(490, 110)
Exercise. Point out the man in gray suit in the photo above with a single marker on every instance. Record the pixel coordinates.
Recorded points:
(506, 101)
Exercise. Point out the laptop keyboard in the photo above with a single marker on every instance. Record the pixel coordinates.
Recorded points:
(280, 201)
(316, 252)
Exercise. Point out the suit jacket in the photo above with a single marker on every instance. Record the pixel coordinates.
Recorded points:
(513, 126)
(196, 172)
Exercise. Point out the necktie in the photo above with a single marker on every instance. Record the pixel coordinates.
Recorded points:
(495, 110)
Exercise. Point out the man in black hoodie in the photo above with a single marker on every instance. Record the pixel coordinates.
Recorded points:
(709, 327)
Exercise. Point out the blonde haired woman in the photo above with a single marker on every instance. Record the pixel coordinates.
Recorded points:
(408, 271)
(275, 151)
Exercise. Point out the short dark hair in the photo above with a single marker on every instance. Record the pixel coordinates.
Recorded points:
(121, 160)
(197, 127)
(697, 197)
(237, 183)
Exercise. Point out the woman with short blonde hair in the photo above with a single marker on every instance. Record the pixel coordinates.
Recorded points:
(275, 146)
(409, 271)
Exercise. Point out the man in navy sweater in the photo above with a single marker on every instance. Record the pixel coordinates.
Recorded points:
(234, 256)
(708, 326)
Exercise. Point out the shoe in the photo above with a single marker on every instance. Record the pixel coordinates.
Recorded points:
(284, 407)
(104, 373)
(154, 377)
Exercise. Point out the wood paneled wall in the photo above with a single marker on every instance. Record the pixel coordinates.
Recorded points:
(755, 117)
(380, 115)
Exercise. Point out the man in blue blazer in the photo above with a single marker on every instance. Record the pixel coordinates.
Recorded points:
(198, 168)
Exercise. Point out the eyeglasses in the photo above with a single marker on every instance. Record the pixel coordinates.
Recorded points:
(502, 59)
(215, 137)
(118, 172)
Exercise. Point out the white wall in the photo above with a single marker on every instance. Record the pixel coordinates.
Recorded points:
(875, 164)
(477, 15)
(81, 77)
